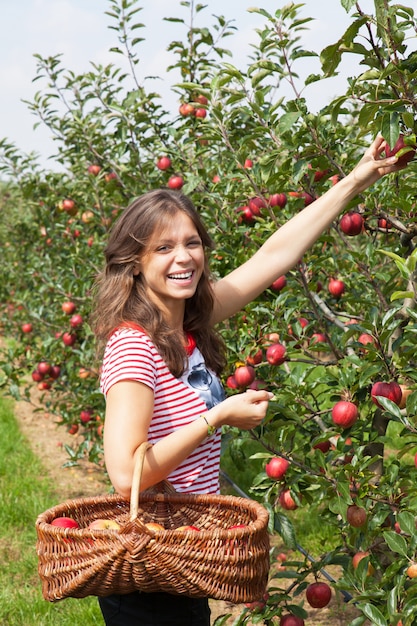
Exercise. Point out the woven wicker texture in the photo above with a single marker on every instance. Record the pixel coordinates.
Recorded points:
(216, 562)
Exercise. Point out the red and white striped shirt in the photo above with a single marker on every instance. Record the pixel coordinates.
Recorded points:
(131, 355)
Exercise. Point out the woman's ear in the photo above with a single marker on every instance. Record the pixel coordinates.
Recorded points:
(136, 269)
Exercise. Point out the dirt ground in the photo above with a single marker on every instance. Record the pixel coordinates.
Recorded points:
(47, 440)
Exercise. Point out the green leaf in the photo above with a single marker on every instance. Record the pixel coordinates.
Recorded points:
(407, 522)
(285, 529)
(373, 614)
(402, 295)
(287, 121)
(396, 542)
(399, 262)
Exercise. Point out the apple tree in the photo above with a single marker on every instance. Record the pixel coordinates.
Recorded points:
(334, 339)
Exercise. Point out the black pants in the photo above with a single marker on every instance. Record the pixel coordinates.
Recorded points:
(154, 609)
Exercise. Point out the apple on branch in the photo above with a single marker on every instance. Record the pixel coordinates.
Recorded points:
(356, 515)
(244, 376)
(351, 223)
(391, 390)
(163, 163)
(318, 594)
(336, 287)
(175, 182)
(276, 467)
(289, 619)
(344, 413)
(287, 501)
(276, 354)
(68, 307)
(404, 148)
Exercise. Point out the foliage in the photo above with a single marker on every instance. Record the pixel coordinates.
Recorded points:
(252, 143)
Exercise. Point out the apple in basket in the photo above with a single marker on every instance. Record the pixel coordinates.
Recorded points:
(235, 542)
(154, 526)
(104, 524)
(186, 527)
(65, 522)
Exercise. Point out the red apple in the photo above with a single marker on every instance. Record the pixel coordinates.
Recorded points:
(55, 372)
(37, 376)
(94, 169)
(186, 109)
(245, 214)
(336, 287)
(104, 524)
(163, 163)
(324, 446)
(73, 429)
(69, 339)
(276, 354)
(231, 382)
(279, 283)
(391, 390)
(351, 223)
(76, 320)
(291, 620)
(404, 148)
(69, 206)
(200, 112)
(276, 467)
(277, 199)
(256, 204)
(175, 182)
(68, 307)
(365, 338)
(65, 522)
(85, 416)
(318, 595)
(44, 367)
(248, 164)
(201, 99)
(318, 338)
(44, 385)
(384, 224)
(357, 558)
(356, 515)
(344, 413)
(244, 375)
(287, 501)
(255, 358)
(110, 176)
(27, 327)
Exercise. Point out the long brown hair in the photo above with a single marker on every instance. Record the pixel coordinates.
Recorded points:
(121, 297)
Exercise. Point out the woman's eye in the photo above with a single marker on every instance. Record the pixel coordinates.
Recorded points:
(162, 249)
(194, 243)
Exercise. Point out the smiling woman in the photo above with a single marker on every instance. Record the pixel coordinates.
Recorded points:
(156, 310)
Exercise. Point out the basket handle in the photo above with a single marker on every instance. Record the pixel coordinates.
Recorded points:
(137, 474)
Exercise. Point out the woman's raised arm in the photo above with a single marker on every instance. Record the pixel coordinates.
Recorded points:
(285, 247)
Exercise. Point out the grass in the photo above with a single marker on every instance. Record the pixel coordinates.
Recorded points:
(24, 493)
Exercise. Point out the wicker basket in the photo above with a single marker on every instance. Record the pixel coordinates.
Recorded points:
(216, 562)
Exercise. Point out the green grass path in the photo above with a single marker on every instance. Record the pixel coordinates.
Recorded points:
(25, 491)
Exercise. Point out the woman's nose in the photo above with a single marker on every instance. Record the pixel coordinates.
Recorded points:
(182, 253)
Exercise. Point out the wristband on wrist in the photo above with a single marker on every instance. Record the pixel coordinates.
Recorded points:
(210, 429)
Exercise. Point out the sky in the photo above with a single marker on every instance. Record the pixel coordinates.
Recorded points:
(79, 31)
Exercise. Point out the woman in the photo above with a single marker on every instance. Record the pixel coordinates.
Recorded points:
(156, 310)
